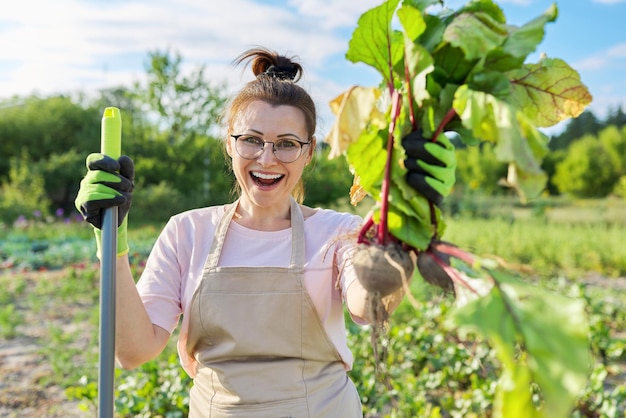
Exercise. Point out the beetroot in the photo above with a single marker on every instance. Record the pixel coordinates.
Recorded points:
(382, 269)
(429, 265)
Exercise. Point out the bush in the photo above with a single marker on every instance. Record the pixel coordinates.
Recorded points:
(24, 194)
(620, 187)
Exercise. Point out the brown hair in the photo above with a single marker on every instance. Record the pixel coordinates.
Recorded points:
(275, 84)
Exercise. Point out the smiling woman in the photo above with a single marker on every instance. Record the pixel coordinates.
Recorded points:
(261, 283)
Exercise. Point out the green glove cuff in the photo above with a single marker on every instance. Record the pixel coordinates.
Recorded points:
(122, 240)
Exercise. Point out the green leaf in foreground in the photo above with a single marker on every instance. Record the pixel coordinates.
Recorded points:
(517, 141)
(374, 42)
(548, 91)
(552, 333)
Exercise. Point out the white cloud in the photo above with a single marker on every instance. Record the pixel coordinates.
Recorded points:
(517, 2)
(592, 63)
(333, 14)
(603, 59)
(67, 44)
(609, 2)
(617, 51)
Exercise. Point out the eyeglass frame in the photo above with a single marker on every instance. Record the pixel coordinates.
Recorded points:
(302, 144)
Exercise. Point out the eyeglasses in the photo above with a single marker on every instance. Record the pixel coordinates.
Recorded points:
(285, 150)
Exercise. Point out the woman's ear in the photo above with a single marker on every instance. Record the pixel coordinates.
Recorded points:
(229, 147)
(311, 149)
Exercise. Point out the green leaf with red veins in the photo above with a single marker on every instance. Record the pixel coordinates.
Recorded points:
(403, 225)
(374, 42)
(419, 63)
(367, 157)
(523, 41)
(548, 92)
(517, 141)
(476, 34)
(412, 21)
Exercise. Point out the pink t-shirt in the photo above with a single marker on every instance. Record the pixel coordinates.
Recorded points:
(174, 267)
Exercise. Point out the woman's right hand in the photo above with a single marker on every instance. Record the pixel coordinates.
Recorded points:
(107, 184)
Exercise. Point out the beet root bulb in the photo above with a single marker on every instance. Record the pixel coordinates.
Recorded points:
(432, 272)
(382, 269)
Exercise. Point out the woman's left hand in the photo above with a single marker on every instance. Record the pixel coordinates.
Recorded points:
(431, 165)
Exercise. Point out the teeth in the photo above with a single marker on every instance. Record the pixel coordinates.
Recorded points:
(266, 176)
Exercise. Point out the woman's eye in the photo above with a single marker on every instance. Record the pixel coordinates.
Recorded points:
(286, 144)
(252, 140)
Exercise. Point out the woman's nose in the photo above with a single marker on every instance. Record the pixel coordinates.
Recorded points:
(267, 156)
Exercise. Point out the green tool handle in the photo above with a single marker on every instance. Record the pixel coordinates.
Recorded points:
(111, 144)
(111, 137)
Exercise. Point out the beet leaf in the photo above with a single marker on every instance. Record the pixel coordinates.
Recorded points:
(465, 73)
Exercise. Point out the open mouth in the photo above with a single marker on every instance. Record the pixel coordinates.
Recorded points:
(265, 180)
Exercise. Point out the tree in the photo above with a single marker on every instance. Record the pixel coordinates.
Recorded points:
(23, 194)
(186, 105)
(617, 118)
(590, 168)
(45, 127)
(326, 180)
(478, 169)
(585, 124)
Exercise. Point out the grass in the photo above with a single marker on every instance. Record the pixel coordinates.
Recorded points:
(549, 248)
(560, 244)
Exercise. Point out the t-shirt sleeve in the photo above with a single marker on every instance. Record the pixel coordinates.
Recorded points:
(160, 283)
(345, 249)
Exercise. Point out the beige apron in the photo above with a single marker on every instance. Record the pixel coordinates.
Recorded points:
(261, 347)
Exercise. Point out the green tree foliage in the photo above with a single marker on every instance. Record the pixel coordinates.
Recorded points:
(166, 129)
(56, 132)
(617, 118)
(23, 194)
(549, 165)
(479, 170)
(326, 180)
(620, 188)
(45, 127)
(187, 106)
(585, 124)
(174, 117)
(171, 129)
(593, 165)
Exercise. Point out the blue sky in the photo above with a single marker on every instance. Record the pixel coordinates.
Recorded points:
(67, 46)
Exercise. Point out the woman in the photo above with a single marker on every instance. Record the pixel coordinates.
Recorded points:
(260, 283)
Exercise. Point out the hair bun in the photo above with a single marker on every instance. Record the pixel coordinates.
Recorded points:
(282, 72)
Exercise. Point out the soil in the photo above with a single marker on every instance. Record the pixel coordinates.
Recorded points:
(25, 369)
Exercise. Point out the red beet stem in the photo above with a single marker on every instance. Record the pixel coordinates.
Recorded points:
(407, 77)
(367, 225)
(446, 119)
(453, 251)
(384, 207)
(452, 273)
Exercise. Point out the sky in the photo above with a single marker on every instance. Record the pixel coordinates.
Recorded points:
(69, 46)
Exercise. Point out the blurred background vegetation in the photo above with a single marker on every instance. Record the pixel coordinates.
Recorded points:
(171, 129)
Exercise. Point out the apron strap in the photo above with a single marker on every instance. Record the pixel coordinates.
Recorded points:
(297, 236)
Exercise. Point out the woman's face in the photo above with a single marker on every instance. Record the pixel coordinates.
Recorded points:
(265, 181)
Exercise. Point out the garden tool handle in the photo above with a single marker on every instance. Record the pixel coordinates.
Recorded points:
(111, 144)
